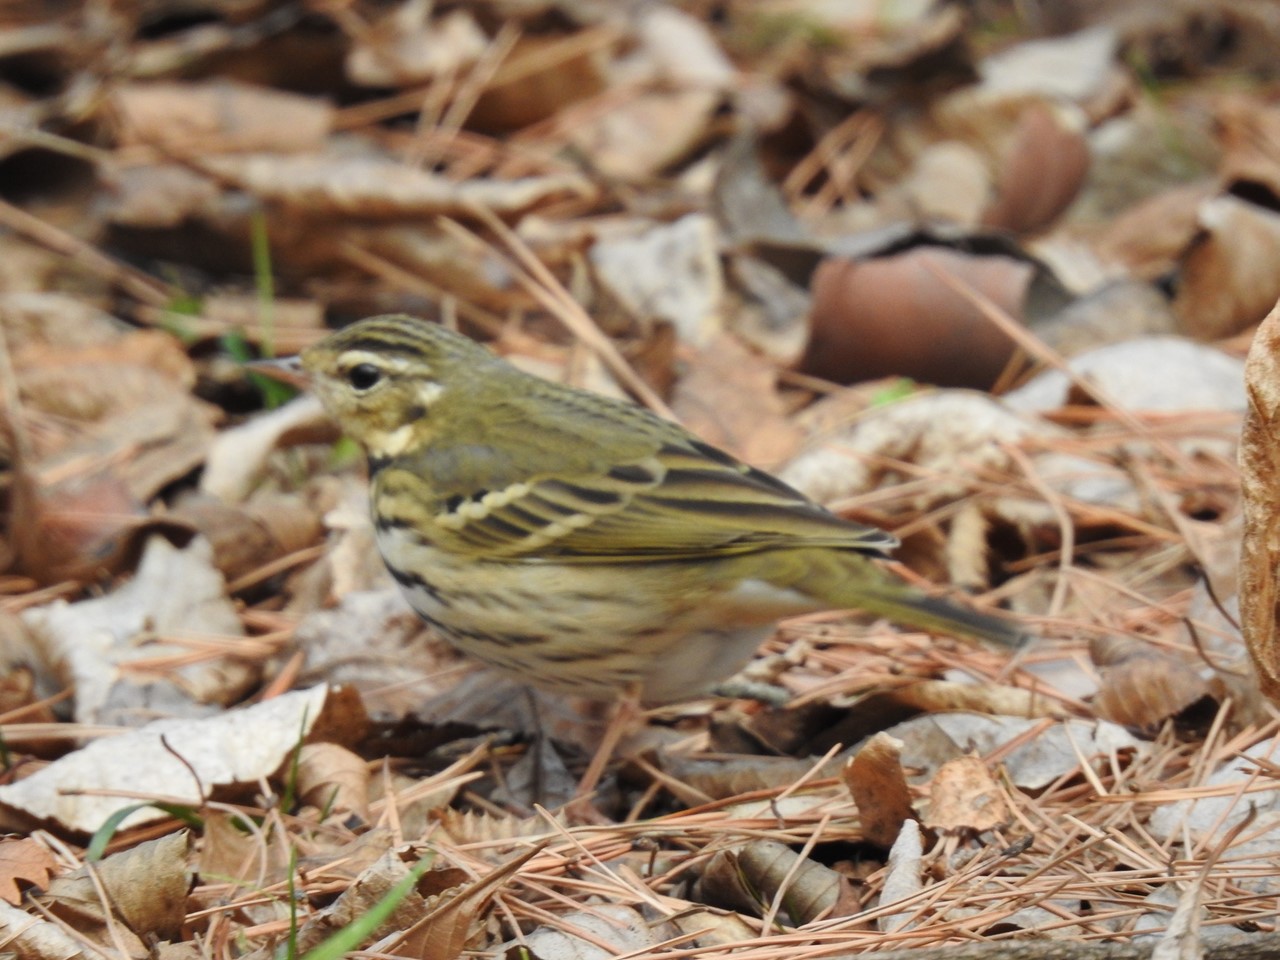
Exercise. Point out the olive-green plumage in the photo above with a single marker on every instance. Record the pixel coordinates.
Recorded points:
(582, 543)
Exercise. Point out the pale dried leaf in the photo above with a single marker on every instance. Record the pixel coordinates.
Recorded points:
(1071, 67)
(237, 456)
(104, 645)
(605, 931)
(1149, 373)
(371, 187)
(646, 133)
(931, 740)
(1181, 939)
(668, 273)
(1260, 497)
(903, 877)
(161, 760)
(407, 47)
(965, 798)
(951, 433)
(33, 936)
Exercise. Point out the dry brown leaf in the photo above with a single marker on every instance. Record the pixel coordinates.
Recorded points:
(25, 861)
(1230, 276)
(729, 397)
(1149, 237)
(219, 116)
(894, 316)
(965, 798)
(1143, 685)
(543, 76)
(1260, 497)
(333, 779)
(1045, 165)
(146, 887)
(248, 537)
(370, 887)
(750, 877)
(879, 787)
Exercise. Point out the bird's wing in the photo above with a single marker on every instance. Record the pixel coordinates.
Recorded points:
(685, 500)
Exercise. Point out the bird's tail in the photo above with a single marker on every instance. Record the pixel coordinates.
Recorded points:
(852, 581)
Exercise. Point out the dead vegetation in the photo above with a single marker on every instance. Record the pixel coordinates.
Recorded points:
(983, 274)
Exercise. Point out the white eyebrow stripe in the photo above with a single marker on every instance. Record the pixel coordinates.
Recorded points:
(353, 358)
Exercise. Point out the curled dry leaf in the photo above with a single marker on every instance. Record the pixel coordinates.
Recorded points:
(879, 787)
(750, 878)
(1142, 685)
(993, 698)
(246, 538)
(1260, 496)
(965, 798)
(333, 779)
(236, 457)
(1230, 276)
(1045, 165)
(145, 886)
(578, 935)
(903, 878)
(1149, 238)
(894, 315)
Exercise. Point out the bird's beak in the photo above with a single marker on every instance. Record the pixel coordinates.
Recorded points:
(285, 369)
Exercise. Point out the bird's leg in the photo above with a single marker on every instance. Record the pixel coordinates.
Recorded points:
(625, 711)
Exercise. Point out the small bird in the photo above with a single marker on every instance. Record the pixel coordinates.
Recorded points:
(583, 544)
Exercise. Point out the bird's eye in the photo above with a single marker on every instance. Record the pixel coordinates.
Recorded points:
(363, 376)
